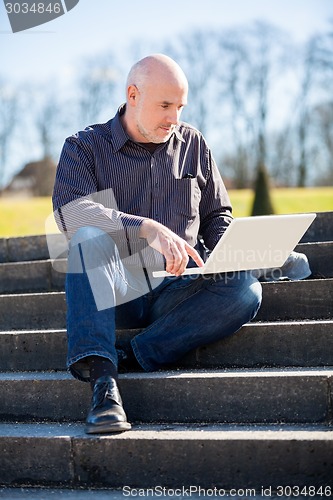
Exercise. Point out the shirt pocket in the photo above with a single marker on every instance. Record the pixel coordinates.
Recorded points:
(186, 197)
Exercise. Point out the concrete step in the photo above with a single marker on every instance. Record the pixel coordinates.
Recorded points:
(320, 257)
(309, 299)
(36, 247)
(223, 396)
(171, 456)
(35, 310)
(31, 247)
(32, 276)
(45, 493)
(271, 344)
(293, 300)
(321, 229)
(42, 276)
(182, 493)
(204, 401)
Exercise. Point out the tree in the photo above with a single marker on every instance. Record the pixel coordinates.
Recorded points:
(262, 204)
(266, 47)
(324, 52)
(323, 111)
(197, 53)
(235, 56)
(96, 83)
(304, 112)
(323, 117)
(252, 68)
(48, 122)
(9, 104)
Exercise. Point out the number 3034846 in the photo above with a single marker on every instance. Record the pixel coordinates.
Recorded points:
(34, 8)
(307, 491)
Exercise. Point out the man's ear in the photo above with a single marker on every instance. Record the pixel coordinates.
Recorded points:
(132, 95)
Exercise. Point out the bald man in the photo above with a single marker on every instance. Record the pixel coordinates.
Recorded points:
(136, 194)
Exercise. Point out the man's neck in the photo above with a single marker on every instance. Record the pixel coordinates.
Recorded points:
(130, 131)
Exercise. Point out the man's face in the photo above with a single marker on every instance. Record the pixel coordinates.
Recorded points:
(158, 110)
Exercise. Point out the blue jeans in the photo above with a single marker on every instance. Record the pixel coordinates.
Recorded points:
(177, 314)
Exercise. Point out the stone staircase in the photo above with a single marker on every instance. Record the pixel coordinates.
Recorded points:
(253, 411)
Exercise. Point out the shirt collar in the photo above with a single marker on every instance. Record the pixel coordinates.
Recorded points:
(118, 135)
(178, 134)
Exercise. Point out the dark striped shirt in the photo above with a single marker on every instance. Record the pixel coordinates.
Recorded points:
(106, 180)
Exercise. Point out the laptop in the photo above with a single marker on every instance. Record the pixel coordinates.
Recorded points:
(258, 242)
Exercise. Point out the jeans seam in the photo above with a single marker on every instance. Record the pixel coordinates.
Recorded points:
(138, 356)
(123, 277)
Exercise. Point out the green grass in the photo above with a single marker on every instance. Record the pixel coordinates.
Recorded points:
(286, 200)
(22, 217)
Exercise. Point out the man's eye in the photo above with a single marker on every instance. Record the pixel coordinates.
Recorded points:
(164, 106)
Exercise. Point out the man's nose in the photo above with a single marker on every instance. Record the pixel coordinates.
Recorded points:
(173, 117)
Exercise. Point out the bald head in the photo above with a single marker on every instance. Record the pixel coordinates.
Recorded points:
(156, 93)
(156, 69)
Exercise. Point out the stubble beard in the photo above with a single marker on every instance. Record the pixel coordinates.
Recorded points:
(151, 137)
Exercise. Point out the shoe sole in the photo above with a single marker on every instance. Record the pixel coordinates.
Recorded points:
(108, 428)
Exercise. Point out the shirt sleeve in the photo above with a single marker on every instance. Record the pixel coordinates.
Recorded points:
(215, 205)
(78, 201)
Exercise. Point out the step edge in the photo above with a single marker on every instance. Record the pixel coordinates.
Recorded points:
(162, 431)
(181, 374)
(255, 324)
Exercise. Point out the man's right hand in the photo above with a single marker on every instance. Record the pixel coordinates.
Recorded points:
(175, 250)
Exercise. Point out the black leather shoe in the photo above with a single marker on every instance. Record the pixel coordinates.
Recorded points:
(107, 412)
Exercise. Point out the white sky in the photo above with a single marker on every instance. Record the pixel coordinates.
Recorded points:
(95, 25)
